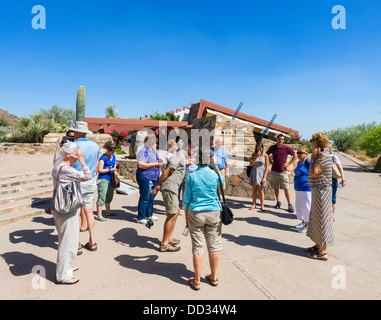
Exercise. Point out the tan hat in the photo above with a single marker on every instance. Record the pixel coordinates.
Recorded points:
(80, 126)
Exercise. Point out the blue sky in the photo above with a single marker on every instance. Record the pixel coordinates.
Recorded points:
(276, 56)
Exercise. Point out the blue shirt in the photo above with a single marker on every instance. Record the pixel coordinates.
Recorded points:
(107, 164)
(91, 154)
(201, 190)
(301, 176)
(148, 156)
(221, 157)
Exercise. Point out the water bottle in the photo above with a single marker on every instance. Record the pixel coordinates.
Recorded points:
(151, 186)
(186, 231)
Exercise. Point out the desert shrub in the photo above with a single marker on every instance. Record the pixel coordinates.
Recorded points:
(370, 142)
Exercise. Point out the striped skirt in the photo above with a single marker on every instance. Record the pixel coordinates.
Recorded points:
(320, 228)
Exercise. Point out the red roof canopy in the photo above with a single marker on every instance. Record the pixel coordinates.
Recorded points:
(129, 125)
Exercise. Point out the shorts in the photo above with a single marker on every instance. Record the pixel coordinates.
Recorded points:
(279, 180)
(105, 192)
(171, 201)
(88, 189)
(205, 227)
(335, 185)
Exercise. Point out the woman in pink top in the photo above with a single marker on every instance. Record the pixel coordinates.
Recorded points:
(67, 224)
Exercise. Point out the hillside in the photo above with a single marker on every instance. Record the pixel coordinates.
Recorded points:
(11, 118)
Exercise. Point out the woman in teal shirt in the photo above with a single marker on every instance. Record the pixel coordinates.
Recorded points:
(203, 211)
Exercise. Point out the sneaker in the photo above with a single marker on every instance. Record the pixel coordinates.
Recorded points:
(277, 206)
(154, 218)
(303, 229)
(168, 248)
(291, 208)
(142, 221)
(298, 226)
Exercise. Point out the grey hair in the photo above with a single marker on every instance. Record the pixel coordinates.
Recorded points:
(67, 147)
(218, 139)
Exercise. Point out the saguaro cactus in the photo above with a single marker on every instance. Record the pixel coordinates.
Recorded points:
(80, 110)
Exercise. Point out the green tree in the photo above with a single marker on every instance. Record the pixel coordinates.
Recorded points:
(371, 142)
(61, 116)
(346, 138)
(169, 116)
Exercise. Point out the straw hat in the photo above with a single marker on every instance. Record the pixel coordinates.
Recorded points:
(80, 126)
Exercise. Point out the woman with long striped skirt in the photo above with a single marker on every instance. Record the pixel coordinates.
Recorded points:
(320, 229)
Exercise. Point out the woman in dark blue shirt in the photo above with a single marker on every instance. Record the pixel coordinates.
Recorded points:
(106, 168)
(302, 189)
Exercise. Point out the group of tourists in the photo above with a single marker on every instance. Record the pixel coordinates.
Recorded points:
(190, 181)
(315, 186)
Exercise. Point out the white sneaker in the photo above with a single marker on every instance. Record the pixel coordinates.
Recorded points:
(154, 218)
(143, 221)
(303, 229)
(298, 226)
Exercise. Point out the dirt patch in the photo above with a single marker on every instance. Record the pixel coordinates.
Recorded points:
(361, 155)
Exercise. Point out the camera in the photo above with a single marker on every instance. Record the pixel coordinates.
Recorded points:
(149, 223)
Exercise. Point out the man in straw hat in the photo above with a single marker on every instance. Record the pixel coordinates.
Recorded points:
(88, 188)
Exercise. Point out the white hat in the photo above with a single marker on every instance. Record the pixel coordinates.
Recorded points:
(80, 126)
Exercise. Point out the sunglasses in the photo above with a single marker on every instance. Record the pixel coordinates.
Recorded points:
(300, 152)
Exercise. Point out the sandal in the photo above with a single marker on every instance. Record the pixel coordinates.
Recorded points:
(169, 248)
(193, 284)
(101, 219)
(75, 269)
(91, 247)
(71, 281)
(318, 256)
(79, 251)
(312, 249)
(213, 282)
(111, 215)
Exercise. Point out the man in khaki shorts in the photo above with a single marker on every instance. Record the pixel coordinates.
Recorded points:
(169, 184)
(279, 174)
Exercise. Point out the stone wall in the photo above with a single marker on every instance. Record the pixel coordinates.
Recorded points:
(48, 146)
(26, 148)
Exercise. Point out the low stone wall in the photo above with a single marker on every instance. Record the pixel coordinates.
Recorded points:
(48, 146)
(26, 148)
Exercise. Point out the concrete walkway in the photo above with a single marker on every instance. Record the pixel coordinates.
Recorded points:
(262, 256)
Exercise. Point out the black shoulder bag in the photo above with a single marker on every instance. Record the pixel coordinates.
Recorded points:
(226, 213)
